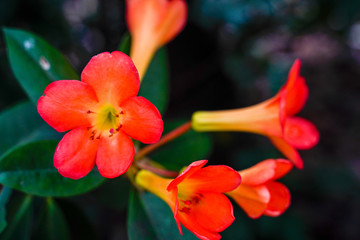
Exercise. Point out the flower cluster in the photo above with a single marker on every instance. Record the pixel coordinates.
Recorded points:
(104, 116)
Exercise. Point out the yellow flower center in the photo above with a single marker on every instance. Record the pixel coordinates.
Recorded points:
(107, 118)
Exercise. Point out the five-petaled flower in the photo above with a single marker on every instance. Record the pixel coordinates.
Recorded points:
(272, 118)
(152, 23)
(259, 193)
(195, 196)
(103, 112)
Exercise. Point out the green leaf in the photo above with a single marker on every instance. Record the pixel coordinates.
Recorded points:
(52, 225)
(35, 63)
(162, 219)
(152, 219)
(19, 226)
(29, 168)
(139, 227)
(182, 151)
(4, 196)
(155, 85)
(22, 124)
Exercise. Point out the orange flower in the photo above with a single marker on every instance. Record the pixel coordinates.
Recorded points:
(195, 197)
(152, 23)
(272, 118)
(258, 193)
(103, 112)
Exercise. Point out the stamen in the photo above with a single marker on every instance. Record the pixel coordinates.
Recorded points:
(88, 112)
(187, 202)
(185, 210)
(122, 112)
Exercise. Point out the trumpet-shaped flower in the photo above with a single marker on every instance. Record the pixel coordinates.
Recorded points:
(195, 197)
(152, 23)
(103, 112)
(272, 118)
(259, 193)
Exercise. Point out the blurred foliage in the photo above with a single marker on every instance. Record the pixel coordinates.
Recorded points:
(232, 53)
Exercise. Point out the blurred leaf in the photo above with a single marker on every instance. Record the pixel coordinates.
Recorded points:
(30, 169)
(139, 227)
(52, 225)
(20, 222)
(21, 124)
(35, 63)
(161, 218)
(182, 151)
(4, 196)
(155, 85)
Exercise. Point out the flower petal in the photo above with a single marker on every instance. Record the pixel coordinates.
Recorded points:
(115, 155)
(253, 200)
(300, 133)
(218, 179)
(282, 167)
(113, 77)
(75, 154)
(203, 221)
(141, 120)
(259, 173)
(65, 104)
(191, 169)
(279, 199)
(289, 151)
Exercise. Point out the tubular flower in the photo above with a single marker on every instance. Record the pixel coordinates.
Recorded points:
(272, 118)
(258, 193)
(195, 197)
(103, 112)
(152, 23)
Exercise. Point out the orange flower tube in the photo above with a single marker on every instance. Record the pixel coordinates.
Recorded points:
(272, 118)
(102, 112)
(259, 194)
(152, 23)
(196, 197)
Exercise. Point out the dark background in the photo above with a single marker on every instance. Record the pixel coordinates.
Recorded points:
(231, 54)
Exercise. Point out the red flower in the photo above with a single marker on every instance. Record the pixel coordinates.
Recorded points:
(103, 112)
(195, 197)
(152, 23)
(272, 118)
(258, 193)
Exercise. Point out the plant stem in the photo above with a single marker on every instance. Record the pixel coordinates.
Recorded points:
(165, 139)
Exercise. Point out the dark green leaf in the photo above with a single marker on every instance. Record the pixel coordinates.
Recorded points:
(138, 224)
(29, 168)
(22, 124)
(162, 219)
(19, 226)
(52, 225)
(155, 85)
(4, 196)
(190, 147)
(35, 63)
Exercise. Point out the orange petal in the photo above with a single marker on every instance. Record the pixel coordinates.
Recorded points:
(115, 155)
(217, 179)
(282, 167)
(296, 90)
(203, 220)
(113, 77)
(259, 173)
(190, 170)
(65, 104)
(75, 154)
(141, 120)
(300, 133)
(152, 23)
(289, 151)
(253, 200)
(279, 199)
